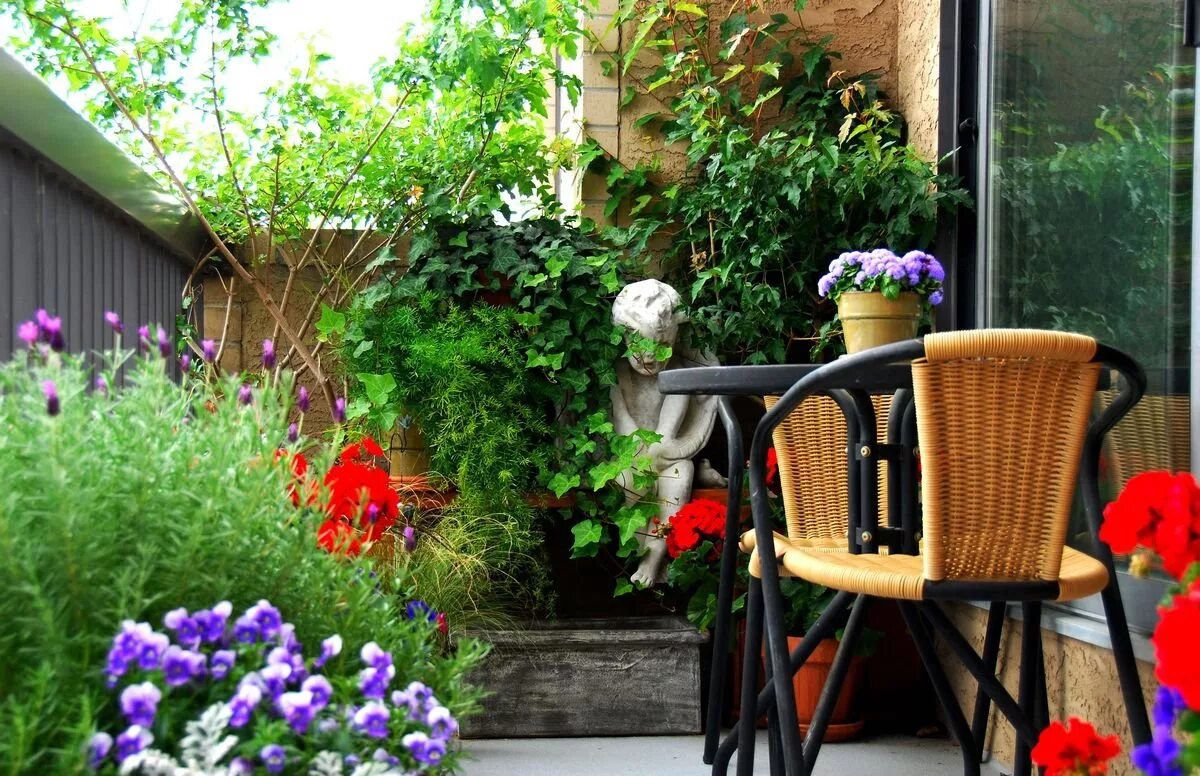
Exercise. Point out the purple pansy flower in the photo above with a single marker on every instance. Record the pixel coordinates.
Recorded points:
(241, 766)
(243, 703)
(384, 756)
(151, 649)
(330, 648)
(274, 678)
(373, 682)
(246, 630)
(139, 703)
(441, 722)
(320, 689)
(187, 630)
(98, 749)
(425, 750)
(297, 709)
(181, 666)
(372, 720)
(374, 656)
(211, 622)
(267, 617)
(133, 740)
(221, 663)
(273, 758)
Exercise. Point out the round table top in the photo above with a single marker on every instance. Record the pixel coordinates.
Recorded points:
(774, 379)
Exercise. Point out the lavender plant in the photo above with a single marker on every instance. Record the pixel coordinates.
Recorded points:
(127, 494)
(881, 270)
(266, 706)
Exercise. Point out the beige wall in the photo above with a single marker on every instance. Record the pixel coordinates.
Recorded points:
(917, 62)
(1081, 681)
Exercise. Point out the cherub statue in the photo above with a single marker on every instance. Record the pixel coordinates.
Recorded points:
(648, 311)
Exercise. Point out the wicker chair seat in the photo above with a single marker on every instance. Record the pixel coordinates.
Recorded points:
(783, 544)
(903, 576)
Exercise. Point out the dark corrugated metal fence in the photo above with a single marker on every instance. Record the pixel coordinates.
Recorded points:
(65, 248)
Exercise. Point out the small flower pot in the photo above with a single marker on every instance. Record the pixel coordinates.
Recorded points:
(408, 456)
(847, 721)
(870, 319)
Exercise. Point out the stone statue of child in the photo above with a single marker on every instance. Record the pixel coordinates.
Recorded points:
(649, 308)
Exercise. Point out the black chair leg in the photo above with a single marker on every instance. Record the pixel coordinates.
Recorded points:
(777, 654)
(774, 736)
(750, 662)
(991, 656)
(1042, 717)
(1027, 689)
(729, 553)
(955, 719)
(833, 685)
(1127, 671)
(822, 629)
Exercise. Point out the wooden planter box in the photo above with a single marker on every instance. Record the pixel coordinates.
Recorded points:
(633, 676)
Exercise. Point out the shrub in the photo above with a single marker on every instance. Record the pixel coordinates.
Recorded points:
(133, 500)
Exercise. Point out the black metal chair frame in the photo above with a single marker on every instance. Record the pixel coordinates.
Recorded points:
(1024, 713)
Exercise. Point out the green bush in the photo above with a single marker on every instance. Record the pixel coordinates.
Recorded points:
(134, 501)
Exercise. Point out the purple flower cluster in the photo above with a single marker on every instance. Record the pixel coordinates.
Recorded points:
(208, 645)
(875, 270)
(44, 328)
(1161, 756)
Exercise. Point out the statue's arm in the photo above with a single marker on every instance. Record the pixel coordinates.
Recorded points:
(685, 429)
(623, 421)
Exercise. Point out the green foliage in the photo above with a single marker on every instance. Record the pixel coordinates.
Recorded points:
(789, 164)
(129, 504)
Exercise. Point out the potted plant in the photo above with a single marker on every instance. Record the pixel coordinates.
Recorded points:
(881, 296)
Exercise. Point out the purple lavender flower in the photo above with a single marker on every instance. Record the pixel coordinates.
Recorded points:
(98, 749)
(339, 410)
(330, 648)
(101, 385)
(139, 703)
(187, 630)
(273, 758)
(114, 322)
(373, 682)
(297, 709)
(208, 349)
(133, 740)
(441, 723)
(293, 434)
(164, 343)
(268, 354)
(185, 362)
(302, 401)
(320, 689)
(372, 720)
(221, 663)
(1160, 757)
(245, 394)
(243, 703)
(29, 333)
(53, 407)
(372, 513)
(52, 333)
(181, 666)
(143, 333)
(425, 750)
(410, 538)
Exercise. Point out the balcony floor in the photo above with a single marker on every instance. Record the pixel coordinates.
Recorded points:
(680, 756)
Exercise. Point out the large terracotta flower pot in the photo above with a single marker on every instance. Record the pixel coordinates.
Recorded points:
(847, 720)
(870, 319)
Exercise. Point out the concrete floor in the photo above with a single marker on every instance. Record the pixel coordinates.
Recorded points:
(680, 756)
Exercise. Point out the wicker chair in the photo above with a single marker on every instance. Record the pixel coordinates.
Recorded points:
(1003, 420)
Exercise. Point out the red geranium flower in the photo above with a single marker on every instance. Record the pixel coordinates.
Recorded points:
(300, 481)
(366, 448)
(1161, 512)
(1074, 749)
(772, 473)
(338, 536)
(695, 522)
(1175, 641)
(361, 492)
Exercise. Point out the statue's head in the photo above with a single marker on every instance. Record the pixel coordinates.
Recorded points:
(648, 311)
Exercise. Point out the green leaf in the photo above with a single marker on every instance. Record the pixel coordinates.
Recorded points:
(377, 387)
(691, 8)
(623, 587)
(561, 483)
(588, 535)
(330, 323)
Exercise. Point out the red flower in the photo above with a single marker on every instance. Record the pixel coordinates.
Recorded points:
(772, 474)
(1175, 641)
(695, 522)
(1159, 511)
(442, 624)
(1074, 749)
(300, 481)
(361, 492)
(338, 536)
(366, 448)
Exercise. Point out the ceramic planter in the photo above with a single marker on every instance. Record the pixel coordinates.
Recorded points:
(869, 319)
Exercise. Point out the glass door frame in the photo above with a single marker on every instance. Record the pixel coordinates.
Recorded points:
(962, 244)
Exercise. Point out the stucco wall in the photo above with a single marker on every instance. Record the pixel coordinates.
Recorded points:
(1081, 681)
(917, 62)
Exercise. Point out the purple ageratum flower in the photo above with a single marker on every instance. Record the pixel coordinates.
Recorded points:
(181, 666)
(245, 394)
(372, 720)
(320, 689)
(208, 349)
(139, 703)
(243, 703)
(936, 298)
(373, 682)
(211, 622)
(50, 390)
(339, 409)
(425, 750)
(293, 434)
(187, 630)
(297, 709)
(330, 648)
(302, 400)
(1160, 757)
(135, 739)
(29, 333)
(273, 758)
(441, 723)
(268, 354)
(114, 322)
(410, 538)
(267, 617)
(221, 663)
(98, 749)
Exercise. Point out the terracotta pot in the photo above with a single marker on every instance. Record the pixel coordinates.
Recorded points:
(847, 721)
(408, 456)
(869, 319)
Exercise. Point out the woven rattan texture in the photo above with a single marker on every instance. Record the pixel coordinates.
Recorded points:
(1155, 435)
(1001, 435)
(810, 446)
